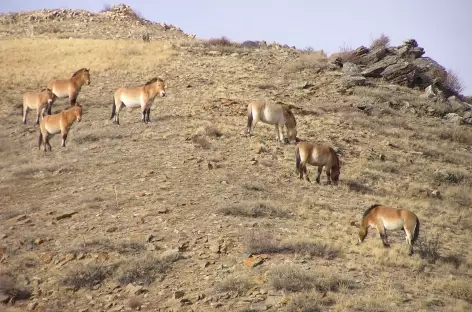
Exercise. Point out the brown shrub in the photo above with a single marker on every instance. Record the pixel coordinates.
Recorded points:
(381, 42)
(234, 283)
(453, 82)
(85, 276)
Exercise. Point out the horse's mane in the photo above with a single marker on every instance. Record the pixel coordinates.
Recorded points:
(77, 72)
(153, 80)
(369, 210)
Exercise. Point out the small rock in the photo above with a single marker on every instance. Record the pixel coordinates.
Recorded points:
(134, 290)
(3, 235)
(382, 157)
(178, 294)
(31, 306)
(150, 247)
(185, 301)
(4, 298)
(65, 215)
(453, 118)
(38, 241)
(111, 229)
(255, 260)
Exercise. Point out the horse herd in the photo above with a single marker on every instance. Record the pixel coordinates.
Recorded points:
(378, 216)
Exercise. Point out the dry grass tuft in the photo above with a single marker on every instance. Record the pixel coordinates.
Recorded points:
(294, 279)
(146, 269)
(310, 302)
(255, 210)
(453, 82)
(460, 289)
(234, 283)
(264, 242)
(382, 41)
(87, 276)
(9, 287)
(221, 42)
(457, 134)
(312, 61)
(428, 248)
(135, 303)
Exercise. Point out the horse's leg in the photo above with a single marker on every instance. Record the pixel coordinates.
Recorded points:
(117, 113)
(73, 98)
(382, 233)
(301, 169)
(318, 175)
(46, 142)
(255, 119)
(281, 132)
(25, 113)
(304, 171)
(409, 239)
(328, 174)
(64, 131)
(147, 114)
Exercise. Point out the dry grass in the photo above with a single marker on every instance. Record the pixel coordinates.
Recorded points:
(9, 287)
(86, 276)
(459, 289)
(146, 269)
(59, 59)
(255, 210)
(310, 302)
(261, 242)
(234, 283)
(295, 279)
(313, 61)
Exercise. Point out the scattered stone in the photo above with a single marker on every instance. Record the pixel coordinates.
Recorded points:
(111, 229)
(31, 306)
(117, 308)
(351, 68)
(65, 215)
(3, 235)
(134, 290)
(45, 257)
(429, 92)
(255, 260)
(150, 247)
(20, 218)
(38, 241)
(353, 81)
(162, 210)
(178, 294)
(4, 298)
(453, 118)
(68, 258)
(382, 157)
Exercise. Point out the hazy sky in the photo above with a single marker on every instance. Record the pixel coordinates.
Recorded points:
(442, 28)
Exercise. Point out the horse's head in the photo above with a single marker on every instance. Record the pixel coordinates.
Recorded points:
(362, 234)
(161, 87)
(87, 75)
(50, 96)
(335, 173)
(78, 111)
(291, 125)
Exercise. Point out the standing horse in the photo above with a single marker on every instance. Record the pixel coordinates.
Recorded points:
(320, 156)
(41, 101)
(140, 96)
(60, 122)
(385, 218)
(71, 87)
(272, 114)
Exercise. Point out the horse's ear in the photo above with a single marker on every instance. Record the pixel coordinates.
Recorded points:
(87, 69)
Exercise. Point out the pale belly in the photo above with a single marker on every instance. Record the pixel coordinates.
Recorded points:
(392, 225)
(53, 129)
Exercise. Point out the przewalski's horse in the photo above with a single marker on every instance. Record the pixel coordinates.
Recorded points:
(385, 218)
(71, 87)
(320, 156)
(140, 96)
(272, 114)
(60, 122)
(41, 101)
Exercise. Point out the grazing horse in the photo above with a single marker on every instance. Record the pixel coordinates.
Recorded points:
(386, 218)
(71, 87)
(272, 114)
(141, 96)
(41, 101)
(60, 122)
(317, 155)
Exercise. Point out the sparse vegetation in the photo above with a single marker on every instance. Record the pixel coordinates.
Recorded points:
(255, 210)
(453, 82)
(87, 276)
(234, 283)
(382, 41)
(460, 289)
(310, 302)
(264, 242)
(294, 279)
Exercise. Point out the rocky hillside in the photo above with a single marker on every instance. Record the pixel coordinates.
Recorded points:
(187, 213)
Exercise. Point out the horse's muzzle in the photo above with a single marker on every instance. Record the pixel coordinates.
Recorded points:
(163, 94)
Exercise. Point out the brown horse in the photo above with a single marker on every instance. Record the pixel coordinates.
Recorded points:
(138, 97)
(41, 101)
(320, 156)
(272, 114)
(71, 87)
(60, 122)
(385, 218)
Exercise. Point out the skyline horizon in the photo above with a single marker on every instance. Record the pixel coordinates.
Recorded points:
(182, 14)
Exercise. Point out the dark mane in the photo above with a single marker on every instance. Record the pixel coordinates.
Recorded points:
(369, 210)
(153, 80)
(77, 72)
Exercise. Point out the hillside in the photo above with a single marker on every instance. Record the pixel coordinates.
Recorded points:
(164, 216)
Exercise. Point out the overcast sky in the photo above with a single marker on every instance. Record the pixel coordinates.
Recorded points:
(442, 28)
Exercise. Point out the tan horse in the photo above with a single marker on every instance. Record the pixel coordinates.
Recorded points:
(320, 156)
(385, 218)
(138, 97)
(272, 114)
(41, 101)
(60, 122)
(71, 87)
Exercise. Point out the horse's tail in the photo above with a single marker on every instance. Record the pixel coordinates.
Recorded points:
(249, 119)
(297, 159)
(113, 110)
(417, 231)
